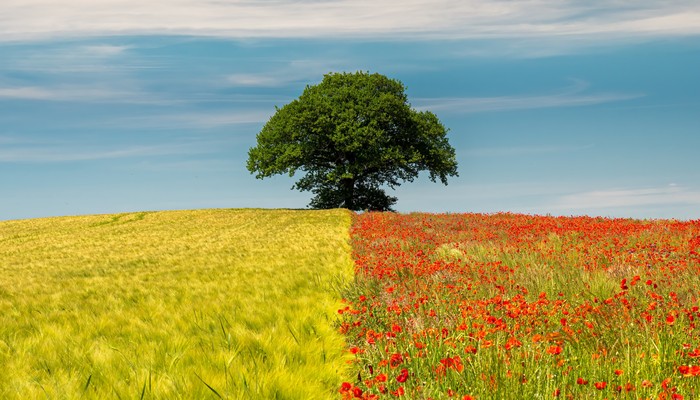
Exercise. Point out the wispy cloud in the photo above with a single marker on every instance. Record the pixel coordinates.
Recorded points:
(104, 50)
(63, 153)
(306, 71)
(452, 19)
(250, 79)
(572, 96)
(199, 119)
(98, 93)
(560, 198)
(92, 58)
(26, 93)
(617, 198)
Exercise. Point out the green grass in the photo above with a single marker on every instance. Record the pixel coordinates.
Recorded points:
(234, 304)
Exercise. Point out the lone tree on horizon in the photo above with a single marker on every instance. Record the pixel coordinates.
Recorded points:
(352, 134)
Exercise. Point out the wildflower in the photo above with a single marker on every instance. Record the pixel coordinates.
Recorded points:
(345, 387)
(453, 362)
(601, 385)
(470, 349)
(554, 350)
(581, 381)
(688, 370)
(357, 392)
(395, 360)
(665, 383)
(619, 372)
(513, 342)
(403, 375)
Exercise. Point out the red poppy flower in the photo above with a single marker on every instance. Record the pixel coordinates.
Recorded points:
(395, 360)
(403, 375)
(345, 387)
(357, 392)
(689, 370)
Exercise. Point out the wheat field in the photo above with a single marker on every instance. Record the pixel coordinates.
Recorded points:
(234, 304)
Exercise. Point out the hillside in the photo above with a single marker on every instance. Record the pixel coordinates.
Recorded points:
(178, 304)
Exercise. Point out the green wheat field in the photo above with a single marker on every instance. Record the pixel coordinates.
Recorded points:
(174, 305)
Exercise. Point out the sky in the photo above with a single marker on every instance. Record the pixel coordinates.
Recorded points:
(554, 107)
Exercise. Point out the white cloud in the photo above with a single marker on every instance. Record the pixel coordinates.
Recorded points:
(561, 198)
(602, 20)
(199, 120)
(26, 93)
(62, 153)
(307, 70)
(266, 80)
(618, 198)
(210, 120)
(571, 96)
(70, 93)
(105, 50)
(94, 94)
(95, 58)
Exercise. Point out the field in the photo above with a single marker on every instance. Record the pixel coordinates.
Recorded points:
(263, 304)
(234, 304)
(523, 307)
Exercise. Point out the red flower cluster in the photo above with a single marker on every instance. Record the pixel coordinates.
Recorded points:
(473, 305)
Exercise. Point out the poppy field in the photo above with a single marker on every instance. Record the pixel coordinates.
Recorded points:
(508, 306)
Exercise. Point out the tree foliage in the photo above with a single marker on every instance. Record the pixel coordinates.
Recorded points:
(351, 135)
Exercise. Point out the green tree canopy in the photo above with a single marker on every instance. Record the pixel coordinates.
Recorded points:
(352, 135)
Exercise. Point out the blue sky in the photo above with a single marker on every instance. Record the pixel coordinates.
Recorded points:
(554, 107)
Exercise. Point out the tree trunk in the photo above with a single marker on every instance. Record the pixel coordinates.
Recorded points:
(348, 185)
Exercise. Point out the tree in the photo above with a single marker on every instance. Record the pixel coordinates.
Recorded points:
(351, 135)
